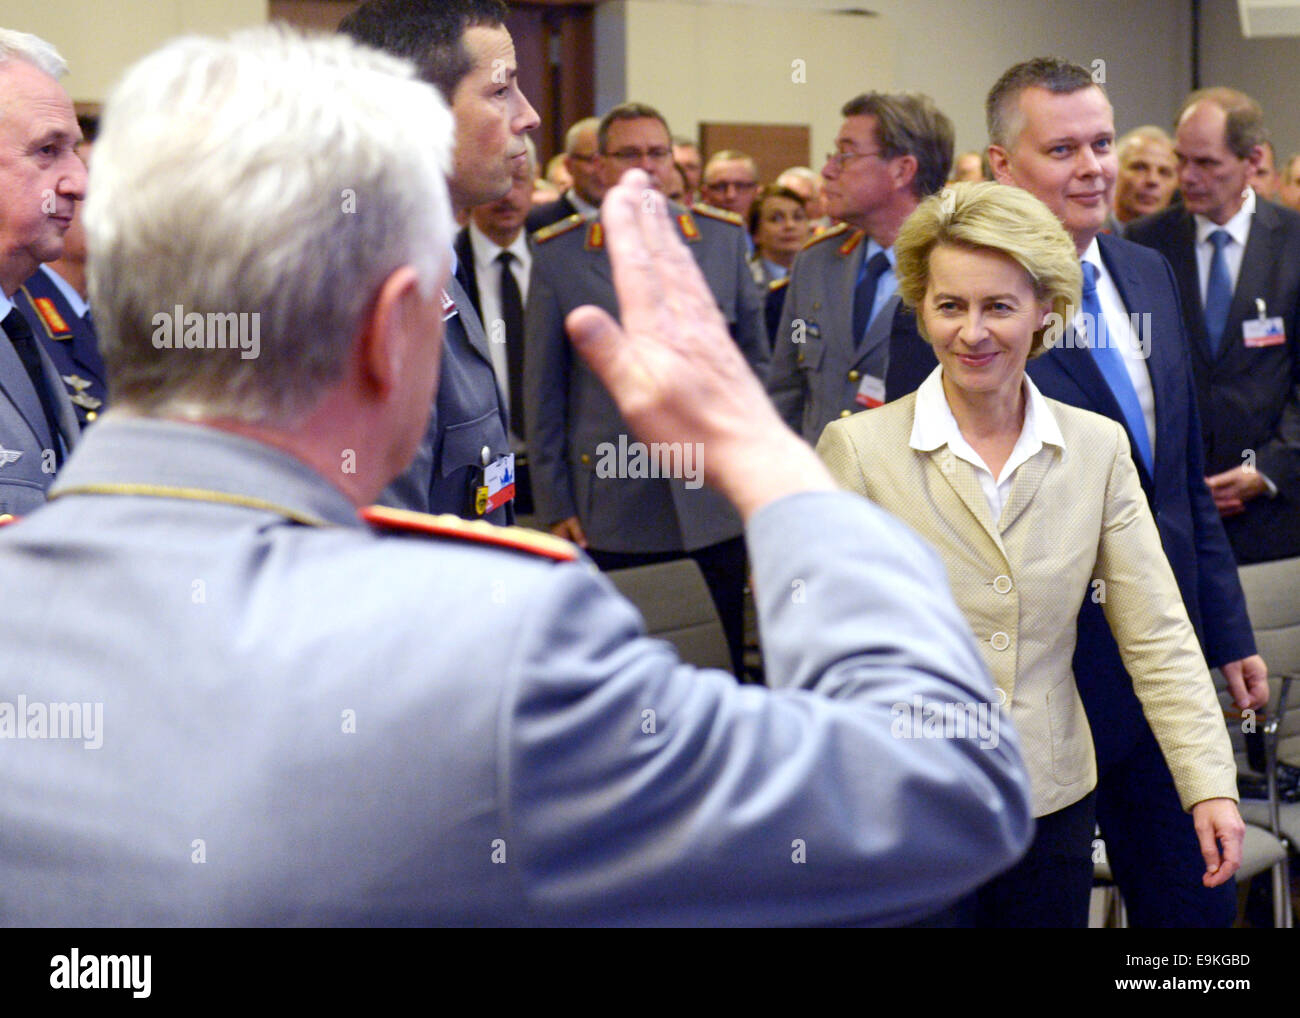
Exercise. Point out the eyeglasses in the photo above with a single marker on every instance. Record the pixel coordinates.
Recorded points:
(838, 159)
(723, 186)
(635, 155)
(591, 158)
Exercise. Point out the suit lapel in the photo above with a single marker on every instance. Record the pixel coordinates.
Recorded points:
(961, 479)
(465, 254)
(1029, 477)
(469, 319)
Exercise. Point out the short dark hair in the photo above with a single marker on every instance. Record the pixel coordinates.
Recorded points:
(1052, 73)
(429, 33)
(627, 111)
(771, 191)
(1245, 127)
(908, 123)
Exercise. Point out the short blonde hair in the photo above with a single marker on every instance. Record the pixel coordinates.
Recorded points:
(985, 216)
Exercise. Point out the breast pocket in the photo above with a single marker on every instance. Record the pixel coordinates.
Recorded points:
(19, 497)
(474, 443)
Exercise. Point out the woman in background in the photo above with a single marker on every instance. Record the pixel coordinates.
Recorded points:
(780, 227)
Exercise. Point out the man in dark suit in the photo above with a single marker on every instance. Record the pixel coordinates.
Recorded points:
(1237, 261)
(464, 465)
(1052, 132)
(845, 342)
(583, 198)
(41, 181)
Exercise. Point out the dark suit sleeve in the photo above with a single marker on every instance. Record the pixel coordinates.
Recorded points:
(546, 404)
(1224, 619)
(1279, 458)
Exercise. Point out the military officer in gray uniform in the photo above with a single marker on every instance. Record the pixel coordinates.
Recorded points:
(41, 180)
(297, 716)
(587, 483)
(462, 47)
(845, 340)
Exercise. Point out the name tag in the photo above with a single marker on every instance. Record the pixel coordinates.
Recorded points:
(1263, 332)
(871, 392)
(498, 485)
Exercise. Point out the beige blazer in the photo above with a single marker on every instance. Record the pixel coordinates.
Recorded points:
(1075, 524)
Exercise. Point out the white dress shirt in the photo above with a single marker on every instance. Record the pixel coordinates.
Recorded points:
(1238, 228)
(487, 272)
(1119, 326)
(934, 426)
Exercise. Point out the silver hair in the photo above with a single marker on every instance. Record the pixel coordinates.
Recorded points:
(270, 173)
(33, 49)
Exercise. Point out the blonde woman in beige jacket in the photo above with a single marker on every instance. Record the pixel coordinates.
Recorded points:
(1034, 504)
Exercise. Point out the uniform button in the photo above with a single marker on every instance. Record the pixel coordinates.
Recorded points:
(1000, 641)
(91, 415)
(1002, 584)
(585, 458)
(485, 455)
(854, 376)
(801, 358)
(846, 413)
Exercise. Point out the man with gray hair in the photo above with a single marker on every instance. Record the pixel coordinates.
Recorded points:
(580, 159)
(1148, 174)
(465, 465)
(310, 718)
(41, 180)
(846, 341)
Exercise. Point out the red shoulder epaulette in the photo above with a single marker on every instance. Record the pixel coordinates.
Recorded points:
(382, 517)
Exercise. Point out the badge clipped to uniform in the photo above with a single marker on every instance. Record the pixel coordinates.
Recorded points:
(498, 486)
(448, 306)
(871, 392)
(1262, 330)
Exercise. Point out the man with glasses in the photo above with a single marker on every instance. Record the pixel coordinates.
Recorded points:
(845, 341)
(589, 485)
(580, 159)
(730, 184)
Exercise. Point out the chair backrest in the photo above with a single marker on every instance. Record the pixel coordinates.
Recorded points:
(1273, 597)
(677, 606)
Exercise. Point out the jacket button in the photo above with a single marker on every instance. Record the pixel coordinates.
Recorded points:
(585, 458)
(846, 413)
(1000, 641)
(485, 454)
(1002, 584)
(853, 376)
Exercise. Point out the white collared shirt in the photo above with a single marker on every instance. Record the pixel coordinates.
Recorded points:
(1119, 326)
(487, 271)
(934, 426)
(1238, 228)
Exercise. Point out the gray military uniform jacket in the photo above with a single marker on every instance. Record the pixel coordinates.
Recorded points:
(817, 368)
(26, 445)
(305, 721)
(467, 429)
(575, 432)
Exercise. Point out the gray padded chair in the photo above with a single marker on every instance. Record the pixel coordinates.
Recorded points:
(678, 608)
(1273, 596)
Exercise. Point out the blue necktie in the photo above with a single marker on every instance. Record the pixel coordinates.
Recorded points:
(1111, 362)
(1218, 291)
(864, 294)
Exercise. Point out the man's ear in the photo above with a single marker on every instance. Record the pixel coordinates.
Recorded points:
(391, 329)
(1000, 165)
(904, 170)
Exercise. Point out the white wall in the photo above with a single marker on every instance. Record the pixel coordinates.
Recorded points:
(1267, 69)
(101, 38)
(735, 65)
